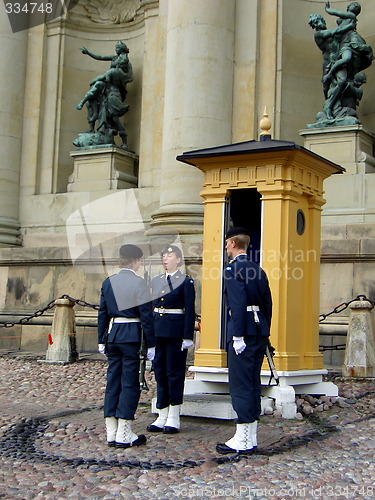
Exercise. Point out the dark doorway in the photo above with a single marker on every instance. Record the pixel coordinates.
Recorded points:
(245, 210)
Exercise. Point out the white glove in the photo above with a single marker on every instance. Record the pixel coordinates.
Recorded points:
(238, 345)
(101, 348)
(151, 353)
(186, 343)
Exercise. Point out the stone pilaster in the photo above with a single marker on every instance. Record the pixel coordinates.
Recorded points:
(12, 89)
(150, 150)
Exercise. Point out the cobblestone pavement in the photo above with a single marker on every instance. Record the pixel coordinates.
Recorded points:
(53, 446)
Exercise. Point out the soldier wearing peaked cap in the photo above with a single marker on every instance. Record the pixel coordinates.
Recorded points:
(173, 297)
(250, 307)
(125, 307)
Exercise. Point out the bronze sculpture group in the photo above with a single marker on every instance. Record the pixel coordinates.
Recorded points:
(105, 100)
(345, 56)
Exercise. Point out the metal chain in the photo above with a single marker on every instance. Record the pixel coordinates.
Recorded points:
(338, 347)
(341, 307)
(50, 305)
(81, 302)
(28, 318)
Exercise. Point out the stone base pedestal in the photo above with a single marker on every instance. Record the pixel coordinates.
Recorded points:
(350, 146)
(348, 197)
(63, 348)
(101, 169)
(360, 343)
(211, 385)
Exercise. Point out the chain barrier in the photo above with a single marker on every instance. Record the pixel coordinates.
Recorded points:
(338, 347)
(80, 302)
(344, 305)
(49, 306)
(338, 309)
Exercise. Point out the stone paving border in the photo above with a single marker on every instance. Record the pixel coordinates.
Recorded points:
(53, 447)
(19, 442)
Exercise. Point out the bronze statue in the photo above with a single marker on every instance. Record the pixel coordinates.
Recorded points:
(345, 55)
(105, 100)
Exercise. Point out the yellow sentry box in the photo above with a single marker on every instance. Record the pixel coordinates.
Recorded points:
(276, 187)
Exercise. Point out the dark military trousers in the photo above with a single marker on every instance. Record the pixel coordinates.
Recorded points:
(169, 368)
(244, 378)
(123, 389)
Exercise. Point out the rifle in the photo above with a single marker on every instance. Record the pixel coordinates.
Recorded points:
(143, 348)
(142, 365)
(270, 352)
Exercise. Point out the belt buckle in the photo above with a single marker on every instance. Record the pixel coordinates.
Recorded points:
(161, 310)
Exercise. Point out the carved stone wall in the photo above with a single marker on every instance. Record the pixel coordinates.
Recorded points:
(105, 12)
(200, 80)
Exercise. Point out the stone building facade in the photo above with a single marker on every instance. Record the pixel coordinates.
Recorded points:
(203, 73)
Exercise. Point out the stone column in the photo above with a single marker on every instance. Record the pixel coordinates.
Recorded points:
(198, 103)
(360, 343)
(12, 91)
(245, 91)
(268, 86)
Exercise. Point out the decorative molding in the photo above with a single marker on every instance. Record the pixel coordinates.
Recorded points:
(251, 175)
(81, 262)
(149, 4)
(233, 177)
(10, 231)
(271, 174)
(216, 178)
(347, 258)
(105, 12)
(295, 179)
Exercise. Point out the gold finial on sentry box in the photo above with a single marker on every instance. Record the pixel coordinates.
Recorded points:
(265, 124)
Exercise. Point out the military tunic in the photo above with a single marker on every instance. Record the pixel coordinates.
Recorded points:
(124, 296)
(245, 285)
(170, 329)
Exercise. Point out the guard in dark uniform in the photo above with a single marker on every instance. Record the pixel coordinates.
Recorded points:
(173, 297)
(250, 308)
(125, 307)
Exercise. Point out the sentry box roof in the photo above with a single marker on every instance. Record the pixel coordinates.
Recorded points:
(266, 144)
